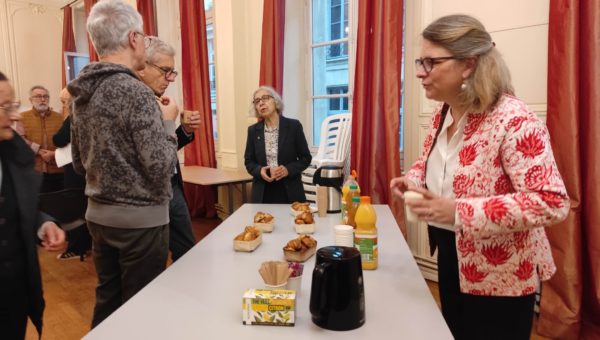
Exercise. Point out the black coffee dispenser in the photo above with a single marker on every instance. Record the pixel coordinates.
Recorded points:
(337, 297)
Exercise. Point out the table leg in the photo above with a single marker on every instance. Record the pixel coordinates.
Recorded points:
(243, 192)
(230, 197)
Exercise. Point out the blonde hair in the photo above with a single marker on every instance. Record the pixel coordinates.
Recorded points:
(276, 98)
(464, 36)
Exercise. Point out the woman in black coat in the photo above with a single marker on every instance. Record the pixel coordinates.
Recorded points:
(20, 282)
(276, 151)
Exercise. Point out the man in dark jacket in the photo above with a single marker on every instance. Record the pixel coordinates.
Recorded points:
(158, 74)
(20, 282)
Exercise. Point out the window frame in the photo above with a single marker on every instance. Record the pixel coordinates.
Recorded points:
(209, 15)
(310, 46)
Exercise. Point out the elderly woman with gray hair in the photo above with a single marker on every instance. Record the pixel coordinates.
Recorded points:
(276, 151)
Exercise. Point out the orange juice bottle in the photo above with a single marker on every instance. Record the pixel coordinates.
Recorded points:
(352, 208)
(347, 194)
(353, 191)
(365, 235)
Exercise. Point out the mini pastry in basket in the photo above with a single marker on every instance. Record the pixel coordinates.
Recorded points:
(304, 223)
(248, 240)
(298, 208)
(300, 249)
(264, 222)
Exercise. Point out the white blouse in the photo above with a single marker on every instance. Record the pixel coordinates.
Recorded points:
(442, 164)
(271, 143)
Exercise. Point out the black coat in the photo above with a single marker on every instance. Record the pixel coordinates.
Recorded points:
(19, 161)
(293, 153)
(61, 139)
(182, 140)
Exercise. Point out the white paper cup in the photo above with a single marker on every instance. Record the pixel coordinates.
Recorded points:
(411, 196)
(295, 283)
(344, 235)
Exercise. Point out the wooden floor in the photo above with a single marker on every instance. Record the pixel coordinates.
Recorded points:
(69, 292)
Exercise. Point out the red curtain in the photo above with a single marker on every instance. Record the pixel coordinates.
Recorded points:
(375, 149)
(68, 41)
(570, 306)
(87, 4)
(271, 55)
(196, 96)
(146, 9)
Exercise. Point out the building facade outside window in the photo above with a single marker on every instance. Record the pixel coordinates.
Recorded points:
(331, 62)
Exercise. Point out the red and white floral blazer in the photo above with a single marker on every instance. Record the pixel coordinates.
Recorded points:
(507, 188)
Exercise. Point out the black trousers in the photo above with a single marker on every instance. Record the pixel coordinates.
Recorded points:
(181, 236)
(275, 193)
(126, 261)
(52, 182)
(473, 316)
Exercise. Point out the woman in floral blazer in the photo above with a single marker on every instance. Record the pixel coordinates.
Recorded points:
(490, 185)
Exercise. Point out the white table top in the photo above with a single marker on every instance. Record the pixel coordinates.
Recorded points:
(211, 176)
(199, 296)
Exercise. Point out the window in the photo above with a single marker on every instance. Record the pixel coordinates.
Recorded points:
(210, 45)
(338, 17)
(339, 104)
(330, 48)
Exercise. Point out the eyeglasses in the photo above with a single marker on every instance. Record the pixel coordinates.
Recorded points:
(169, 73)
(11, 107)
(264, 98)
(147, 41)
(428, 63)
(40, 97)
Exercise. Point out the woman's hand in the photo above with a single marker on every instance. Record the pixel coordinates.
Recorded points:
(433, 208)
(265, 175)
(279, 172)
(401, 184)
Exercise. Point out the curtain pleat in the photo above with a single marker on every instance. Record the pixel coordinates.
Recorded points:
(196, 96)
(272, 45)
(375, 149)
(87, 5)
(146, 9)
(68, 41)
(570, 305)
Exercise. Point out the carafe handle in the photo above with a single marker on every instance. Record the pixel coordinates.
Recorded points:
(318, 289)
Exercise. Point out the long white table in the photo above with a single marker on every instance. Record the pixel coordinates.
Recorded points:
(200, 296)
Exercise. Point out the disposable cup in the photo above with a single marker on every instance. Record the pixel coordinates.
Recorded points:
(411, 196)
(187, 116)
(344, 235)
(295, 283)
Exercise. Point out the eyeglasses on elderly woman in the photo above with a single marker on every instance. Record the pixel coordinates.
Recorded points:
(264, 98)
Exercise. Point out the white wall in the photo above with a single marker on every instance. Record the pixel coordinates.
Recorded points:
(30, 46)
(520, 30)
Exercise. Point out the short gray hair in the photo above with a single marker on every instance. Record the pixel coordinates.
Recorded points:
(276, 98)
(109, 25)
(157, 46)
(37, 87)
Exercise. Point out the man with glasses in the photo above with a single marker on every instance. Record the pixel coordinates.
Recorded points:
(37, 126)
(124, 142)
(158, 74)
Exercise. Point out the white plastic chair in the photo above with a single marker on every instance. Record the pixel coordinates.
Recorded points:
(334, 150)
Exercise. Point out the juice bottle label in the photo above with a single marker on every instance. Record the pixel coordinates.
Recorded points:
(367, 245)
